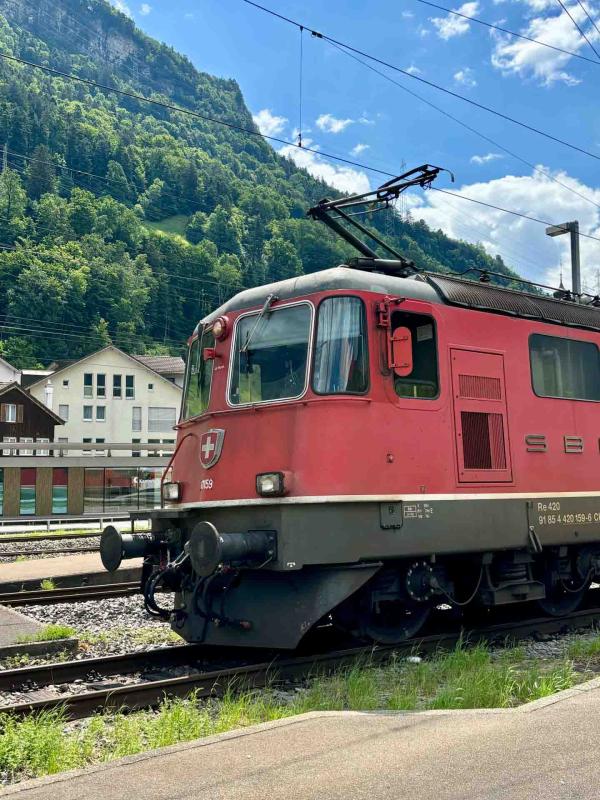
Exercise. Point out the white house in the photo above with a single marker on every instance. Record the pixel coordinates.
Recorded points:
(8, 373)
(110, 396)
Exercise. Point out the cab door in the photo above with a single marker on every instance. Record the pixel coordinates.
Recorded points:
(480, 416)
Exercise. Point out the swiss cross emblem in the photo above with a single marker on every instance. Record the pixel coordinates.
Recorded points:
(211, 444)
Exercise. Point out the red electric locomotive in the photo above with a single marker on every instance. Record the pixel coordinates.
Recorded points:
(367, 442)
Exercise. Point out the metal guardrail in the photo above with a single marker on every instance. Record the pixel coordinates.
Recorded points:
(92, 447)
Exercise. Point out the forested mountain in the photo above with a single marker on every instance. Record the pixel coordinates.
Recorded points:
(123, 221)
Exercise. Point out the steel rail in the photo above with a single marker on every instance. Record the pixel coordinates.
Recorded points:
(257, 675)
(69, 594)
(46, 537)
(60, 552)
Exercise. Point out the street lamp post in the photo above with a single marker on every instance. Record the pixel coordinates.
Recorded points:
(571, 228)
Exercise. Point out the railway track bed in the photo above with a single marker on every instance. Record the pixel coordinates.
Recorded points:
(70, 594)
(142, 680)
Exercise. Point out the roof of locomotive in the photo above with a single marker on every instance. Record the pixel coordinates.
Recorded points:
(430, 287)
(343, 277)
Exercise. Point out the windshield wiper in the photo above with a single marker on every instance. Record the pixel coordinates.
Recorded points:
(272, 298)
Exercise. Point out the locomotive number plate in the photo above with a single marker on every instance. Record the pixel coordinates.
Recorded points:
(570, 512)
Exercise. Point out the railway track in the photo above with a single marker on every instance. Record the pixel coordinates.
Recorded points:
(71, 594)
(205, 683)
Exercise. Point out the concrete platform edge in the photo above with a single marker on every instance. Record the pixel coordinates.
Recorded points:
(239, 733)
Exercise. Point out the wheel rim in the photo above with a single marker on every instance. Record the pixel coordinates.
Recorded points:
(563, 597)
(393, 621)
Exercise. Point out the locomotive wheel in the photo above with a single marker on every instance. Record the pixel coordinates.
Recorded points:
(563, 597)
(393, 621)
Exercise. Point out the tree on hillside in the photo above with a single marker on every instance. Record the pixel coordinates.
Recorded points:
(194, 232)
(225, 229)
(118, 185)
(41, 175)
(281, 260)
(13, 203)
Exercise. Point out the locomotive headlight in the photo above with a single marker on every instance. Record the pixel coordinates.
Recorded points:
(171, 492)
(220, 328)
(271, 484)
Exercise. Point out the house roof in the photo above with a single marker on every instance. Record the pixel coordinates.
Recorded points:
(104, 350)
(164, 365)
(8, 387)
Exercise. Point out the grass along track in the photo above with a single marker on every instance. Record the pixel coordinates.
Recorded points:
(204, 684)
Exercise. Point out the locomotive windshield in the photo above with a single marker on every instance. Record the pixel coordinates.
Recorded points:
(199, 377)
(270, 358)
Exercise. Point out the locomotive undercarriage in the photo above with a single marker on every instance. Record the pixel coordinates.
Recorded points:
(280, 574)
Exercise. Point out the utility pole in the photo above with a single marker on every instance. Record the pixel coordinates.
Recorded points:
(571, 228)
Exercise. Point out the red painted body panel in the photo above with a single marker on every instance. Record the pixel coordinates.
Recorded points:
(380, 444)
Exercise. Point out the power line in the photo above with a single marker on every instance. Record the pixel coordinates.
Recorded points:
(574, 21)
(188, 112)
(511, 33)
(437, 86)
(467, 127)
(588, 15)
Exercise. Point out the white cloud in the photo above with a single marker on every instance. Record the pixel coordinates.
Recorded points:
(345, 179)
(331, 124)
(188, 15)
(465, 77)
(269, 124)
(121, 6)
(526, 59)
(145, 9)
(407, 15)
(412, 70)
(523, 244)
(359, 148)
(486, 158)
(450, 26)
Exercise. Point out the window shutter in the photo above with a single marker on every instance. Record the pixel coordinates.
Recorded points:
(3, 412)
(19, 413)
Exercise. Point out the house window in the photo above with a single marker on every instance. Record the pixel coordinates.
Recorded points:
(60, 491)
(150, 387)
(161, 420)
(136, 453)
(100, 452)
(130, 387)
(9, 412)
(42, 452)
(87, 440)
(136, 418)
(88, 413)
(9, 452)
(117, 386)
(61, 452)
(100, 385)
(88, 385)
(100, 413)
(27, 452)
(27, 492)
(66, 383)
(63, 412)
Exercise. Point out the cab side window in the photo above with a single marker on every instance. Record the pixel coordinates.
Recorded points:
(422, 383)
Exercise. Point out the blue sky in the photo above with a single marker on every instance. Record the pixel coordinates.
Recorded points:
(352, 112)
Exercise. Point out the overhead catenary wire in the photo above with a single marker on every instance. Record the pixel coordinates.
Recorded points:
(576, 24)
(468, 127)
(432, 84)
(509, 32)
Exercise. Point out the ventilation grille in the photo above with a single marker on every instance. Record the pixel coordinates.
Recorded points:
(486, 297)
(477, 387)
(483, 440)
